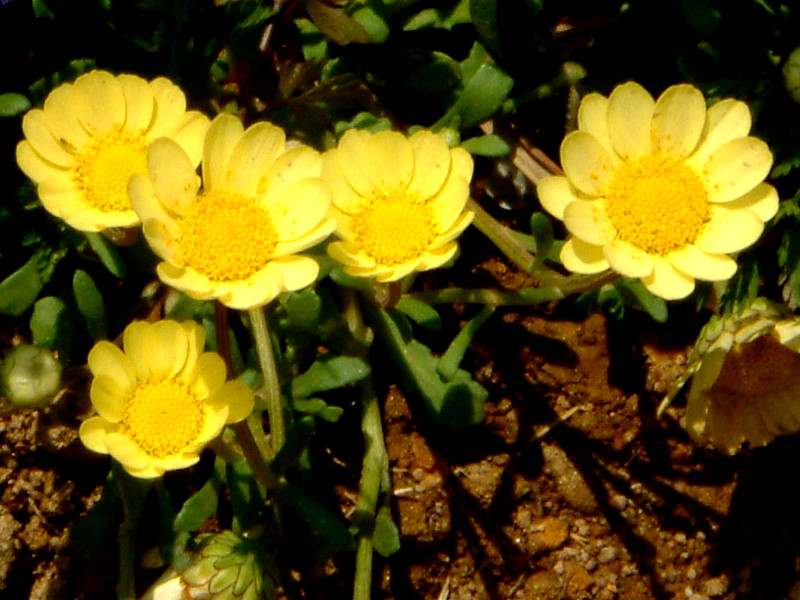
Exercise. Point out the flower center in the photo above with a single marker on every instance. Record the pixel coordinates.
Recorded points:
(227, 237)
(103, 168)
(657, 203)
(163, 417)
(394, 230)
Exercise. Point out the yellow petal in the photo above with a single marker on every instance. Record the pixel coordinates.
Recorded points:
(190, 133)
(258, 290)
(666, 281)
(586, 162)
(729, 230)
(448, 205)
(109, 397)
(296, 164)
(210, 374)
(349, 255)
(592, 118)
(630, 111)
(431, 163)
(255, 152)
(437, 257)
(60, 114)
(588, 221)
(170, 105)
(313, 237)
(695, 263)
(762, 200)
(36, 167)
(139, 102)
(238, 397)
(296, 272)
(215, 417)
(461, 164)
(39, 135)
(627, 259)
(169, 463)
(300, 208)
(172, 175)
(727, 120)
(102, 104)
(223, 134)
(352, 154)
(126, 451)
(186, 280)
(162, 241)
(60, 197)
(343, 195)
(397, 272)
(580, 257)
(679, 117)
(149, 471)
(555, 194)
(93, 433)
(196, 341)
(107, 359)
(736, 168)
(391, 161)
(455, 230)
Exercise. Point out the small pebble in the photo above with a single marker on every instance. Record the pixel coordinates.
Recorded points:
(607, 554)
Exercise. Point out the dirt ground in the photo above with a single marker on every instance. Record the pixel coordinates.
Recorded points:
(571, 489)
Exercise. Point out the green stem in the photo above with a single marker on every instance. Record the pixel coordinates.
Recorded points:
(516, 250)
(272, 388)
(132, 493)
(257, 454)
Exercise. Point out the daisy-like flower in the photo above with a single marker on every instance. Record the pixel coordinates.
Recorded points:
(661, 190)
(745, 371)
(398, 201)
(235, 239)
(91, 136)
(161, 399)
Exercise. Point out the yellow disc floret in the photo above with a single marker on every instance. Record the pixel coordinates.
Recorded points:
(102, 170)
(395, 230)
(657, 203)
(163, 417)
(227, 237)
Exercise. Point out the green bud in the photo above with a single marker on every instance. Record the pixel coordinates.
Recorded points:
(30, 376)
(227, 567)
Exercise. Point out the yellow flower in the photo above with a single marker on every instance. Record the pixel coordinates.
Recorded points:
(745, 371)
(236, 238)
(660, 190)
(162, 399)
(83, 146)
(399, 202)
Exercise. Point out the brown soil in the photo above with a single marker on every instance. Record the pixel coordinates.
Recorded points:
(608, 502)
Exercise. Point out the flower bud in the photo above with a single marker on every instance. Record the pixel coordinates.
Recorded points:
(30, 376)
(745, 371)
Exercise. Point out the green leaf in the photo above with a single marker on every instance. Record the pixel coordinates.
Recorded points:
(336, 24)
(443, 18)
(542, 230)
(636, 295)
(303, 308)
(487, 145)
(50, 324)
(448, 363)
(372, 23)
(90, 304)
(12, 104)
(420, 312)
(327, 373)
(201, 506)
(385, 536)
(107, 253)
(42, 11)
(20, 289)
(324, 522)
(298, 436)
(318, 408)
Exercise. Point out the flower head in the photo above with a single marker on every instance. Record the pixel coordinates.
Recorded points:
(662, 190)
(236, 238)
(91, 136)
(745, 371)
(398, 201)
(161, 399)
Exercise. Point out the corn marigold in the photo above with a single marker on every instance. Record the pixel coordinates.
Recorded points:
(161, 399)
(82, 147)
(398, 201)
(235, 239)
(661, 190)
